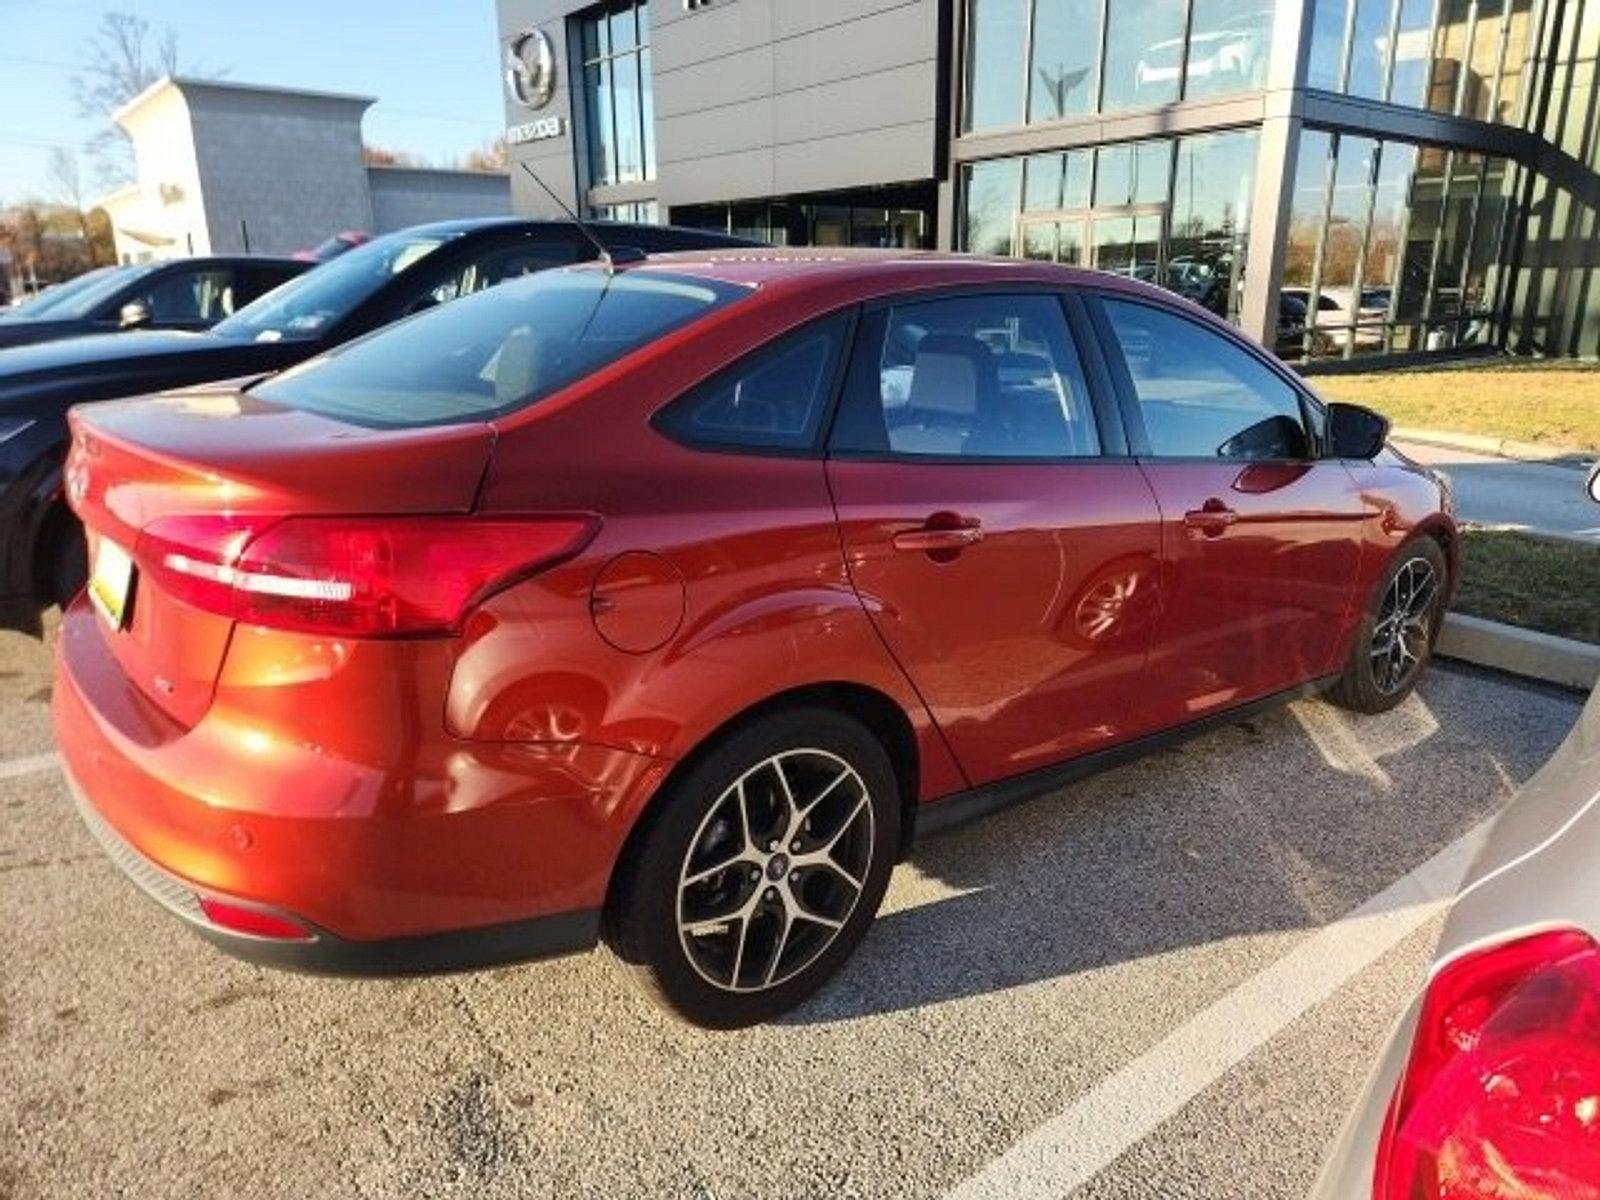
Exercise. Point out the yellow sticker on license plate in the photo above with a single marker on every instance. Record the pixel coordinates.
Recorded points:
(111, 581)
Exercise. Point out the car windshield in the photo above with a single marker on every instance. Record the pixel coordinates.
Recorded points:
(78, 298)
(502, 349)
(305, 307)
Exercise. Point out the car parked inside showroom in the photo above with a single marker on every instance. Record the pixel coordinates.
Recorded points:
(41, 546)
(183, 293)
(1489, 1086)
(669, 602)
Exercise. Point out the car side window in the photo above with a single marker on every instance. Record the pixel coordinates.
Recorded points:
(189, 296)
(496, 263)
(773, 399)
(1199, 394)
(990, 376)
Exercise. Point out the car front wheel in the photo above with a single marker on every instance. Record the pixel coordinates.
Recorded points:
(1395, 639)
(760, 869)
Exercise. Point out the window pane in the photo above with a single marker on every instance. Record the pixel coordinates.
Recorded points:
(1066, 39)
(993, 192)
(1306, 207)
(1144, 54)
(1413, 53)
(647, 101)
(624, 36)
(1484, 59)
(1379, 275)
(1508, 98)
(995, 78)
(1228, 48)
(1427, 207)
(1369, 49)
(625, 98)
(1327, 44)
(775, 400)
(1347, 215)
(1200, 395)
(1449, 54)
(1461, 198)
(1210, 218)
(980, 376)
(1058, 182)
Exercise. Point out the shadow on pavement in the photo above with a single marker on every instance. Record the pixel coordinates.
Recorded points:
(1278, 824)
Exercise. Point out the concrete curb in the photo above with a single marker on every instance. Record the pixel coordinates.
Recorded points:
(1542, 656)
(1556, 456)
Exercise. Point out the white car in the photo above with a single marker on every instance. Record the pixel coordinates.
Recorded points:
(1489, 1089)
(1336, 313)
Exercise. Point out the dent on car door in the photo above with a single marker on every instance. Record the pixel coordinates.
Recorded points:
(1007, 561)
(1261, 539)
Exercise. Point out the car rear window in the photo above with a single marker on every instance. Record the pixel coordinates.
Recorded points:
(500, 350)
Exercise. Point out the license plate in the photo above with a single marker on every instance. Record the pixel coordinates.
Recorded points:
(111, 581)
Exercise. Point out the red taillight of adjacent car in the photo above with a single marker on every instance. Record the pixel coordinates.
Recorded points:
(1501, 1095)
(351, 576)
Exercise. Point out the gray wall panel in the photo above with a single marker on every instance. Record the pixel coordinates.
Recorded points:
(884, 99)
(741, 76)
(895, 36)
(863, 159)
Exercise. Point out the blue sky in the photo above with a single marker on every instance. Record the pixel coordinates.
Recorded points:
(433, 64)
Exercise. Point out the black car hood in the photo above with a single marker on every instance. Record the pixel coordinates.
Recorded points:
(24, 331)
(104, 348)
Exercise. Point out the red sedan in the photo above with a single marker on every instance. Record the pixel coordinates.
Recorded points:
(668, 604)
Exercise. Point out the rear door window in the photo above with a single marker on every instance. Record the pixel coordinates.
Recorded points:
(985, 377)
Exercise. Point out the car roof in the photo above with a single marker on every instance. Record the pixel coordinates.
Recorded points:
(607, 229)
(850, 273)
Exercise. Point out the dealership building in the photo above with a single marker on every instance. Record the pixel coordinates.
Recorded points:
(1421, 175)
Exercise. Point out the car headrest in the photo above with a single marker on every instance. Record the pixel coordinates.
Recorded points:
(952, 373)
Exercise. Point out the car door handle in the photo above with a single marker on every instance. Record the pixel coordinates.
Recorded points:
(934, 537)
(1211, 518)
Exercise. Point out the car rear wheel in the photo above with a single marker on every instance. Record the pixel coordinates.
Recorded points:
(1396, 636)
(760, 869)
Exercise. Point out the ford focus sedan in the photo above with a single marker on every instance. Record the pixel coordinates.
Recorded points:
(668, 604)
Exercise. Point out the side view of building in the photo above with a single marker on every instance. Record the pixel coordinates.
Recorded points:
(1343, 178)
(225, 168)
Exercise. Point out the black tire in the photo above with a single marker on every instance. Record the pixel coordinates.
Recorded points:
(1371, 683)
(63, 558)
(706, 977)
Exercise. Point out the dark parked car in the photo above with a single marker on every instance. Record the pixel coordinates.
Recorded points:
(41, 549)
(186, 293)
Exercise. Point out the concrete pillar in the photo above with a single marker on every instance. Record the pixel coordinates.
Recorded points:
(1275, 169)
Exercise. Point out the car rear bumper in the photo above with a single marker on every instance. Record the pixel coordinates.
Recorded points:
(462, 855)
(322, 952)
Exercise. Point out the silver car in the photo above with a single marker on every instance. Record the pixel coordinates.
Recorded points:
(1490, 1085)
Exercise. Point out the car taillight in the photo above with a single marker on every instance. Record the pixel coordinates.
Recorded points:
(1501, 1095)
(351, 576)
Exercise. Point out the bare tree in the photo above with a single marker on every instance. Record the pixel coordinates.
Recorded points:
(66, 181)
(121, 58)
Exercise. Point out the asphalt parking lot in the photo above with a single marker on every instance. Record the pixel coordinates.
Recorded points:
(1028, 976)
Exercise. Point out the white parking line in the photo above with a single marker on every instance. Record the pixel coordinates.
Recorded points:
(1089, 1134)
(14, 767)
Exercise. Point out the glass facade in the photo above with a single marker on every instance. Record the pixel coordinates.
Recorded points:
(890, 218)
(1392, 247)
(1172, 211)
(618, 111)
(1464, 58)
(1088, 56)
(646, 212)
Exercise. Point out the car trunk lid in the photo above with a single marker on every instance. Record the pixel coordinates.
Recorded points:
(223, 453)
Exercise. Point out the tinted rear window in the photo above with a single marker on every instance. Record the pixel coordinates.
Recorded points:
(500, 350)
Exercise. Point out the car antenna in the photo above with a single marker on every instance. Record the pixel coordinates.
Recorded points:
(608, 258)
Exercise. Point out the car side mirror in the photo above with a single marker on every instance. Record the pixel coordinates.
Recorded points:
(134, 315)
(1355, 431)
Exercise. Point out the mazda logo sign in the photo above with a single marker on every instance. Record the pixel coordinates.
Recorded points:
(531, 68)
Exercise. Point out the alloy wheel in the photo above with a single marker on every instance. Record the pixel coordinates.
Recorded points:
(775, 870)
(1404, 626)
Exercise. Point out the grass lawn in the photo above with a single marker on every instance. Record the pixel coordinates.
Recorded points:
(1556, 403)
(1553, 587)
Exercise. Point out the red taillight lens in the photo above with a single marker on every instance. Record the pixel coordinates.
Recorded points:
(237, 919)
(1501, 1095)
(351, 576)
